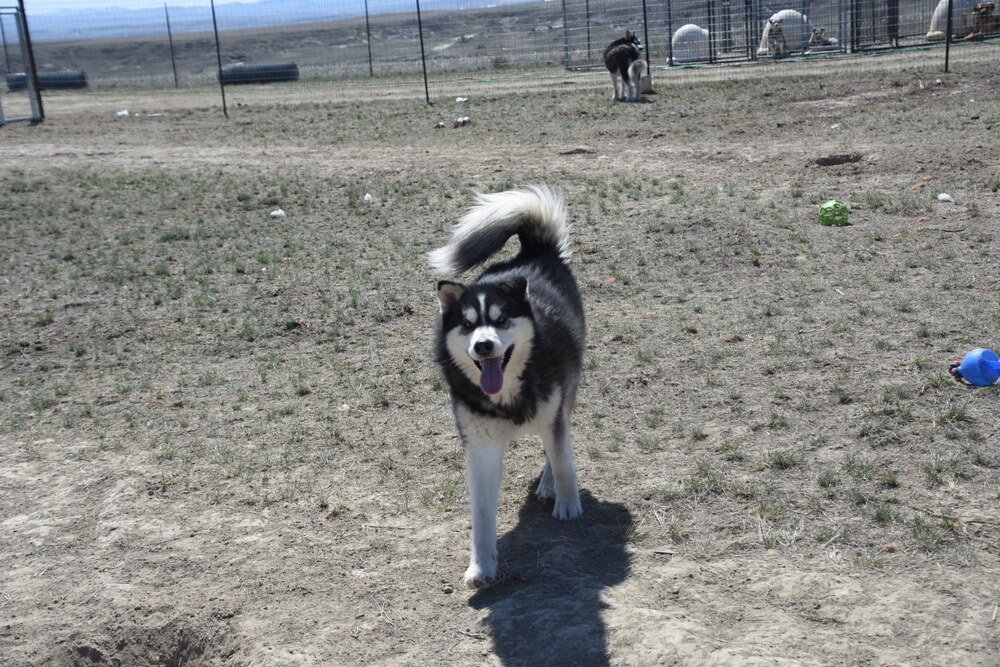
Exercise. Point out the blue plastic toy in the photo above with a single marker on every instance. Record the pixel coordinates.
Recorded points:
(980, 367)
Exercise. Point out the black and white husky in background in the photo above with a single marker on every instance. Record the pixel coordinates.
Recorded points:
(619, 58)
(510, 345)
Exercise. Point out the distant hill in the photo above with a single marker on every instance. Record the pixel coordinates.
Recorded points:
(111, 22)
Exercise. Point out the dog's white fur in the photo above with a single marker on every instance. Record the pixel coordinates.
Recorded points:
(503, 208)
(485, 441)
(626, 90)
(519, 334)
(636, 71)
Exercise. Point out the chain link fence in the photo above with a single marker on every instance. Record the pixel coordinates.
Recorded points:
(376, 44)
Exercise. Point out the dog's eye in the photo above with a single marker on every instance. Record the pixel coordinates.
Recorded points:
(500, 321)
(467, 324)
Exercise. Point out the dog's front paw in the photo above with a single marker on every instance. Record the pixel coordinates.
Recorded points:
(546, 488)
(568, 507)
(476, 577)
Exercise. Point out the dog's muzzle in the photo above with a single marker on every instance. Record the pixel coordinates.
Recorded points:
(491, 371)
(503, 362)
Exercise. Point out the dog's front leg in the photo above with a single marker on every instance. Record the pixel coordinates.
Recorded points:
(484, 462)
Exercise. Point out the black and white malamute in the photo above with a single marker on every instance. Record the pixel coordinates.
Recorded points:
(619, 58)
(510, 345)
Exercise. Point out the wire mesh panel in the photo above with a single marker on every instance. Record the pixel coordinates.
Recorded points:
(342, 40)
(711, 31)
(495, 39)
(364, 44)
(829, 25)
(119, 47)
(593, 24)
(869, 24)
(917, 19)
(12, 62)
(448, 38)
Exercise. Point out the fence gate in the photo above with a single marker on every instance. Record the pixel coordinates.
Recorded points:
(20, 98)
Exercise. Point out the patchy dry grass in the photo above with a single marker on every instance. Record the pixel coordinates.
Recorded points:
(760, 392)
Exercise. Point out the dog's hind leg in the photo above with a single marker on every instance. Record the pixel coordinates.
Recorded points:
(559, 476)
(484, 470)
(626, 87)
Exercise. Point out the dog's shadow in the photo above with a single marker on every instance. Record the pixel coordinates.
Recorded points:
(545, 608)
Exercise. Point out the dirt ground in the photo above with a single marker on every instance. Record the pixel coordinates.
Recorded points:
(223, 440)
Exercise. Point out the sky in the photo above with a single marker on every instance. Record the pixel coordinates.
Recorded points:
(32, 7)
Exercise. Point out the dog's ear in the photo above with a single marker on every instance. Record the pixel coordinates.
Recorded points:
(515, 287)
(628, 34)
(449, 293)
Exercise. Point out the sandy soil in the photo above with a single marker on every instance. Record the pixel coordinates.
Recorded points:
(179, 489)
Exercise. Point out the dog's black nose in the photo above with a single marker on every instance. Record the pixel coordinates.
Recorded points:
(483, 348)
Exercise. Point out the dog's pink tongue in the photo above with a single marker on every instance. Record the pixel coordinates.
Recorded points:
(491, 377)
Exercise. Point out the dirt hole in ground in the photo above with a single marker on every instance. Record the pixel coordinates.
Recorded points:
(843, 158)
(173, 645)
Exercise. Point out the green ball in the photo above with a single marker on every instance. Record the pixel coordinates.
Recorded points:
(833, 213)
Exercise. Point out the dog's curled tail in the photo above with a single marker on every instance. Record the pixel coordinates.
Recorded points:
(535, 213)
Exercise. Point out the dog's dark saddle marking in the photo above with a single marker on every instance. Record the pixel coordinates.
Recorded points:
(621, 53)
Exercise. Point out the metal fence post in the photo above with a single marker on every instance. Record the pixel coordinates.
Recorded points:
(892, 21)
(855, 28)
(947, 39)
(645, 31)
(710, 10)
(565, 36)
(423, 57)
(670, 35)
(368, 31)
(170, 41)
(727, 26)
(218, 57)
(28, 54)
(842, 27)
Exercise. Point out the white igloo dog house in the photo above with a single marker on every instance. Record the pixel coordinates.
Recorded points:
(690, 44)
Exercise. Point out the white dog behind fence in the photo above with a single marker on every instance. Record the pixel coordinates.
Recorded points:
(962, 19)
(795, 28)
